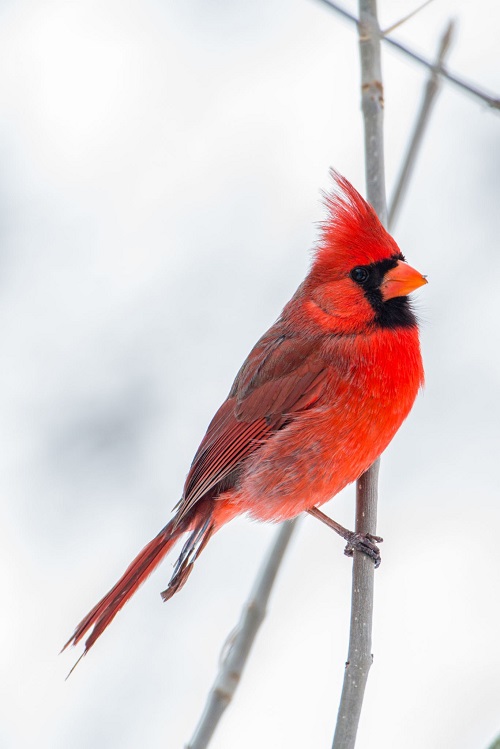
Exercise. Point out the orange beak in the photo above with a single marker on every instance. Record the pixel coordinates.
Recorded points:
(400, 281)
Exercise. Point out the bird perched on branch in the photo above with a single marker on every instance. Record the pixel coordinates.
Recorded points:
(318, 399)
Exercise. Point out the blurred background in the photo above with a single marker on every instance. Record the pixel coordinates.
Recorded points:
(162, 168)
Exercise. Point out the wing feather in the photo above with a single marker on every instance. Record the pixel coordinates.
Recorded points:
(282, 376)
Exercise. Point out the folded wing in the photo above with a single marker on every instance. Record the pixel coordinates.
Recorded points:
(282, 376)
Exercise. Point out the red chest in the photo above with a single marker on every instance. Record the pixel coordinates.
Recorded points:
(372, 384)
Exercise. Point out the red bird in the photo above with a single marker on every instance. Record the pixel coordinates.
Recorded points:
(318, 399)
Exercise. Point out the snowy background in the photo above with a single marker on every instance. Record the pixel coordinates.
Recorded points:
(161, 172)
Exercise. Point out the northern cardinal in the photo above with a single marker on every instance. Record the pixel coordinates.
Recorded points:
(318, 399)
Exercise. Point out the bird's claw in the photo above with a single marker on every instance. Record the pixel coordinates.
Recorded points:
(367, 544)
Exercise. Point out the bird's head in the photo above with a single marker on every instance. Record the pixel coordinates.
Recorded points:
(359, 278)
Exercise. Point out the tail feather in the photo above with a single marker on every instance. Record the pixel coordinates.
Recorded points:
(188, 556)
(138, 571)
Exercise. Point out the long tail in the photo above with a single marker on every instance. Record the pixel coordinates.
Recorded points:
(143, 565)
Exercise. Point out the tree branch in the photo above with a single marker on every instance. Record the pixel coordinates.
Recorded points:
(431, 91)
(470, 88)
(406, 18)
(359, 657)
(240, 641)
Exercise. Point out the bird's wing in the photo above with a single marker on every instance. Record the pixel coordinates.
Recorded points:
(282, 376)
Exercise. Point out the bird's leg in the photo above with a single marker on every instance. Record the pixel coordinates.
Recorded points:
(364, 542)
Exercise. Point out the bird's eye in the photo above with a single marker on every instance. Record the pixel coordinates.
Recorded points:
(360, 275)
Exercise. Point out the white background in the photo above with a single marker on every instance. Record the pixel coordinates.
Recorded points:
(162, 164)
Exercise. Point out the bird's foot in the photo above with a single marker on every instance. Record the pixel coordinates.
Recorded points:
(366, 543)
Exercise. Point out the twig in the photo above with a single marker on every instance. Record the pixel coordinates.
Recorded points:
(240, 642)
(431, 91)
(470, 88)
(406, 18)
(359, 659)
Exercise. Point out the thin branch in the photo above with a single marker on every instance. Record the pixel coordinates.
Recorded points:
(470, 88)
(431, 91)
(240, 641)
(359, 658)
(406, 18)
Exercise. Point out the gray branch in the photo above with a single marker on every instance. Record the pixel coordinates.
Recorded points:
(359, 658)
(430, 94)
(240, 641)
(470, 88)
